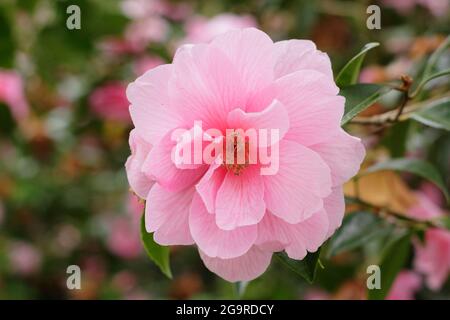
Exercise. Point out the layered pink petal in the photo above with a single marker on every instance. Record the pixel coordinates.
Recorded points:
(315, 110)
(167, 215)
(161, 165)
(343, 153)
(334, 206)
(205, 86)
(150, 107)
(139, 182)
(214, 241)
(244, 268)
(295, 55)
(209, 185)
(274, 117)
(302, 181)
(240, 199)
(251, 52)
(297, 239)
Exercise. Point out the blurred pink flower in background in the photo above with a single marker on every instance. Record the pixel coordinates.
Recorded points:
(405, 286)
(201, 29)
(377, 74)
(317, 294)
(433, 194)
(136, 9)
(109, 102)
(242, 80)
(24, 258)
(116, 46)
(146, 63)
(436, 7)
(439, 8)
(142, 32)
(12, 94)
(124, 240)
(148, 20)
(432, 258)
(425, 209)
(402, 6)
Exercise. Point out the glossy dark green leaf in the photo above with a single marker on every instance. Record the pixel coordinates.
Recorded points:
(359, 97)
(393, 261)
(418, 167)
(435, 56)
(436, 115)
(428, 79)
(306, 268)
(429, 73)
(357, 229)
(350, 72)
(395, 139)
(157, 253)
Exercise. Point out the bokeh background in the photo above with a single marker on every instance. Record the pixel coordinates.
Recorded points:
(64, 124)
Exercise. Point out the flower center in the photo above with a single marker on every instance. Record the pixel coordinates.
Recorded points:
(236, 153)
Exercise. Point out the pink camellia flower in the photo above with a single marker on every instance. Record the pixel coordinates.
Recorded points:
(110, 102)
(432, 258)
(235, 212)
(201, 29)
(12, 94)
(405, 286)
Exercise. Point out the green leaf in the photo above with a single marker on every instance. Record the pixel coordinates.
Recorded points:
(428, 79)
(350, 72)
(395, 139)
(435, 56)
(418, 167)
(306, 268)
(444, 222)
(359, 97)
(357, 229)
(159, 254)
(428, 73)
(436, 115)
(393, 261)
